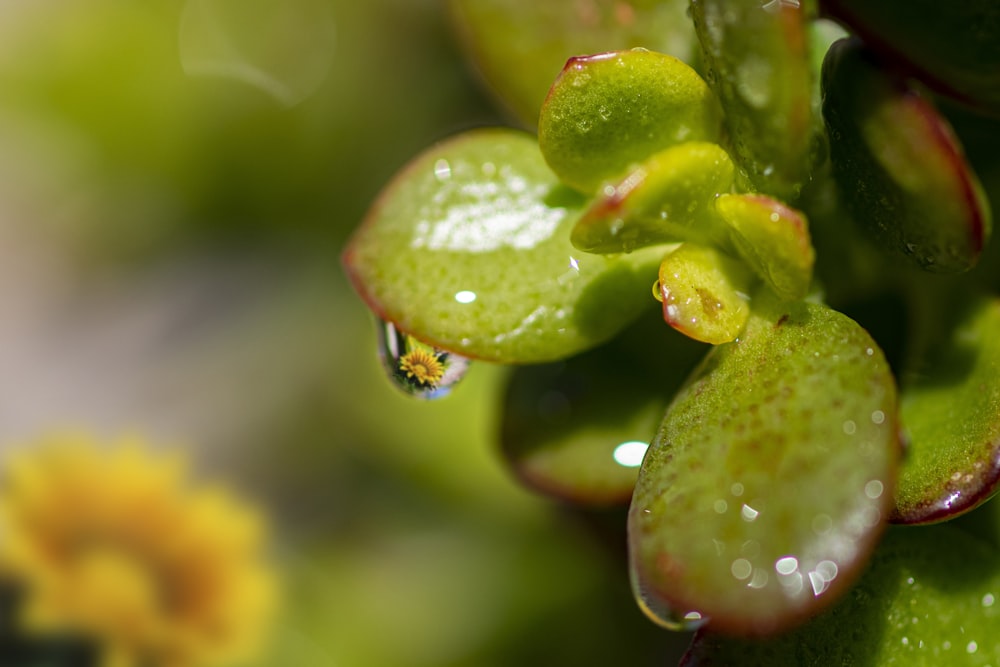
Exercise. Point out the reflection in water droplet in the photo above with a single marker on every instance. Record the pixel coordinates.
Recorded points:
(418, 369)
(630, 454)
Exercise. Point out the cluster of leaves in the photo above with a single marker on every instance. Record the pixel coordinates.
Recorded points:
(763, 499)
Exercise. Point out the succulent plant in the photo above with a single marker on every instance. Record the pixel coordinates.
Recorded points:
(746, 248)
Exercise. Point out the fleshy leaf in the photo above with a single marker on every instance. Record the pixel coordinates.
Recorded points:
(900, 167)
(930, 598)
(705, 293)
(578, 429)
(951, 414)
(468, 250)
(768, 484)
(757, 62)
(666, 199)
(773, 239)
(953, 47)
(608, 112)
(519, 47)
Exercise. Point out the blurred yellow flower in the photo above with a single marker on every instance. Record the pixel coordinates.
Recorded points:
(113, 543)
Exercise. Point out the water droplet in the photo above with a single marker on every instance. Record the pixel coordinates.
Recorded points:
(878, 417)
(749, 513)
(658, 291)
(442, 170)
(465, 296)
(663, 614)
(972, 647)
(630, 454)
(418, 369)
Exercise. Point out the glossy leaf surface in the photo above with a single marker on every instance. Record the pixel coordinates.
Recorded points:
(951, 414)
(577, 429)
(757, 61)
(705, 293)
(519, 47)
(901, 170)
(929, 598)
(773, 239)
(953, 47)
(468, 250)
(666, 199)
(608, 112)
(769, 481)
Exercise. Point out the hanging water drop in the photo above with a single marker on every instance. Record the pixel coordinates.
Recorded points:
(418, 369)
(663, 614)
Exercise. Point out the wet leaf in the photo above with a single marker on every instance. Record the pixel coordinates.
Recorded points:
(951, 414)
(953, 47)
(519, 47)
(705, 293)
(468, 250)
(918, 604)
(900, 167)
(773, 239)
(757, 61)
(666, 199)
(577, 429)
(608, 112)
(768, 483)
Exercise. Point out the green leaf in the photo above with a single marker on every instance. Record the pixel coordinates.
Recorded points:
(769, 481)
(705, 293)
(468, 250)
(666, 199)
(519, 47)
(900, 167)
(930, 598)
(608, 112)
(757, 62)
(773, 239)
(578, 429)
(953, 47)
(951, 414)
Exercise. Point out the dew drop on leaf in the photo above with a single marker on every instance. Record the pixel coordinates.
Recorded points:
(419, 370)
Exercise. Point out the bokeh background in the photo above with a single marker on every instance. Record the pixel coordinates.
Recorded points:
(177, 181)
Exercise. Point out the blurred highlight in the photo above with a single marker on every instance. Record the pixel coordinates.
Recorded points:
(114, 544)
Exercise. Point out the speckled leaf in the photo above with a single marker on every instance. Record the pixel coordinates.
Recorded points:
(577, 429)
(757, 61)
(773, 239)
(519, 46)
(769, 481)
(929, 599)
(705, 293)
(468, 250)
(899, 165)
(666, 199)
(608, 112)
(951, 414)
(954, 47)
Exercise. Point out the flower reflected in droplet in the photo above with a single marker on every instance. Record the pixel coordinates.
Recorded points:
(422, 366)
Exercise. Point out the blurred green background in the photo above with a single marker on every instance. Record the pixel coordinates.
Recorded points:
(177, 180)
